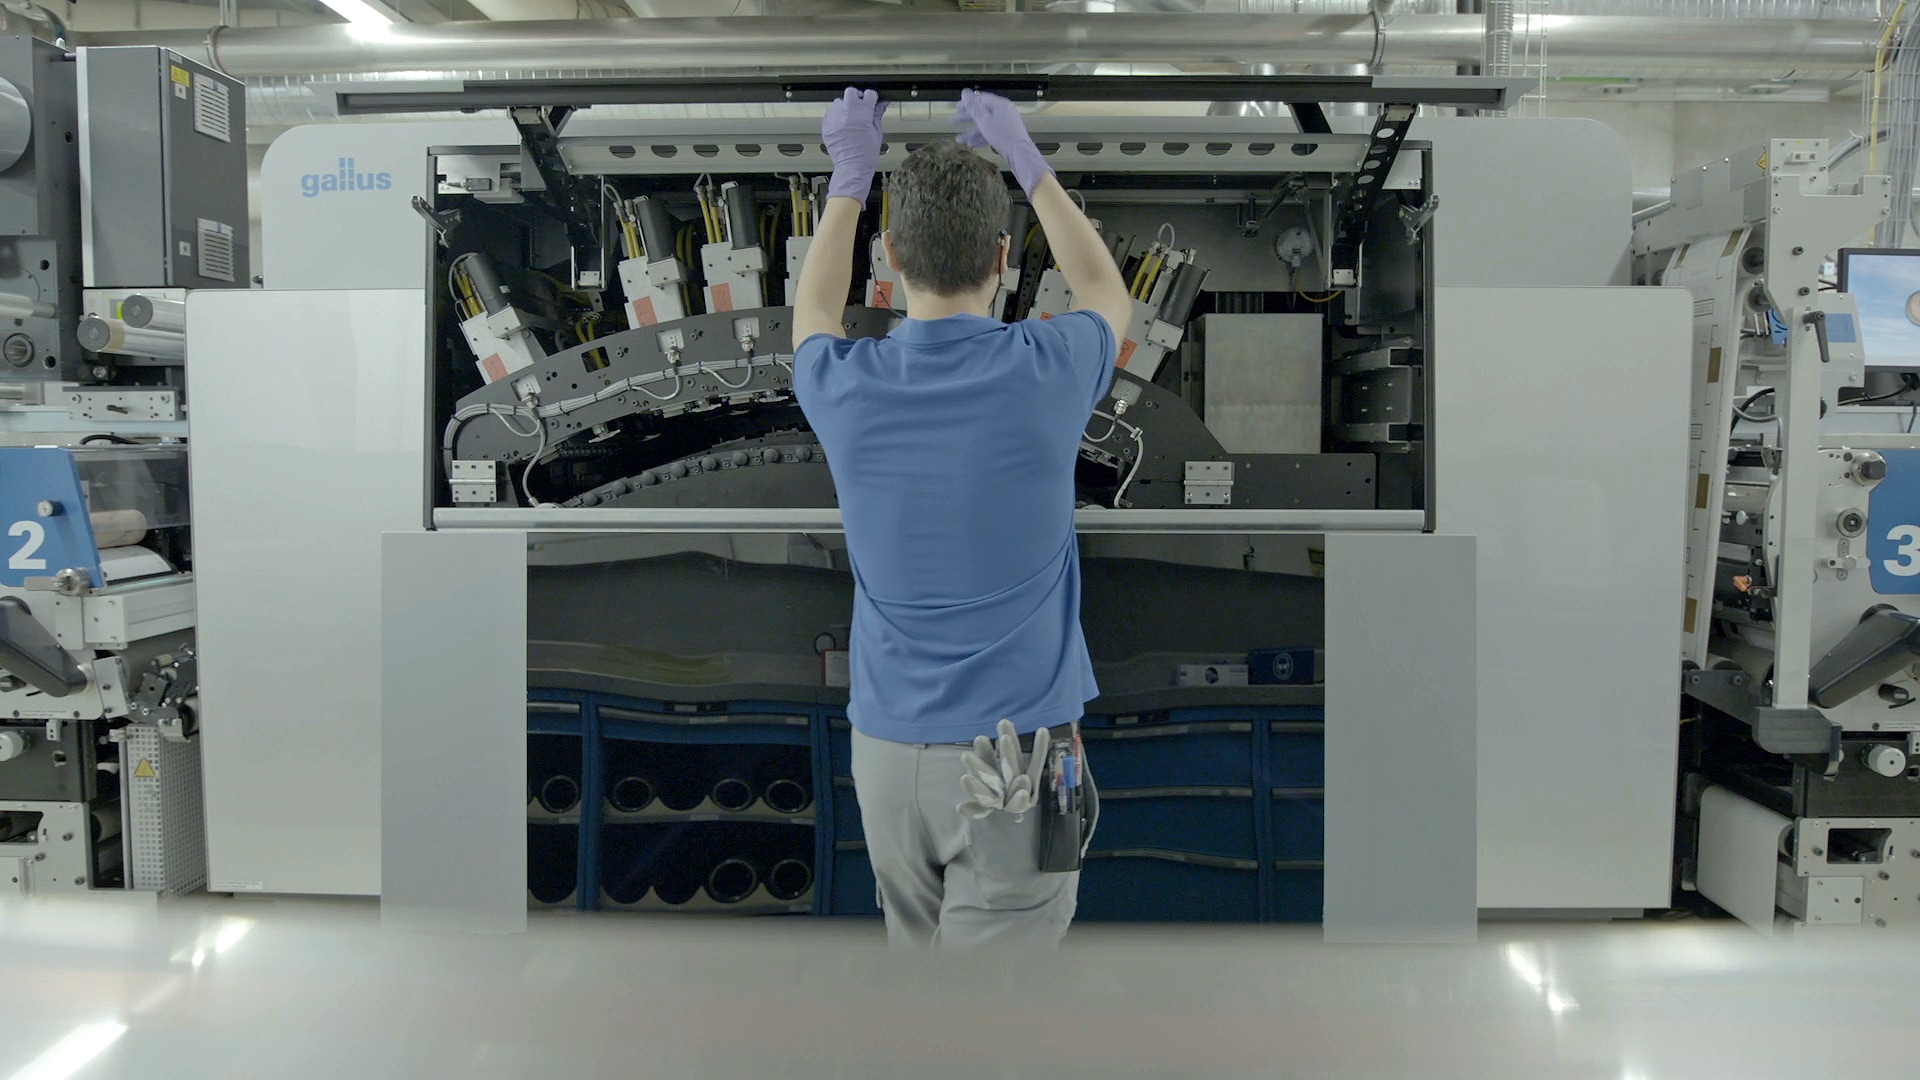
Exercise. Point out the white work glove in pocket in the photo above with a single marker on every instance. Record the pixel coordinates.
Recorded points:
(996, 780)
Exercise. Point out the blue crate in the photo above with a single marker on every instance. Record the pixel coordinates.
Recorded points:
(854, 892)
(1144, 888)
(1295, 894)
(1299, 824)
(1209, 754)
(1200, 824)
(1296, 754)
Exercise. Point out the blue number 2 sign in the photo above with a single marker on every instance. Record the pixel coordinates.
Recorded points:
(36, 544)
(1893, 524)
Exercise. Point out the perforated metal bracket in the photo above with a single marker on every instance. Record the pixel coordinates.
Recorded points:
(1357, 197)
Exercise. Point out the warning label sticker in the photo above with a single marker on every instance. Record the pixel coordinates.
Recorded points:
(144, 770)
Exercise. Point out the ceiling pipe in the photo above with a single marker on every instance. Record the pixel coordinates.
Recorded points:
(916, 39)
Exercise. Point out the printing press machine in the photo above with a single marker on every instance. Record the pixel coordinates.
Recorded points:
(122, 189)
(533, 391)
(1800, 800)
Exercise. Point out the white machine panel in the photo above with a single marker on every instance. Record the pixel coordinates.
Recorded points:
(1566, 455)
(288, 506)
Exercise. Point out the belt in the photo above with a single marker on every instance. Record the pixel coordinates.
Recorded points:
(1058, 733)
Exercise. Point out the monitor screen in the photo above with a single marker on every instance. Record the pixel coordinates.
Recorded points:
(1885, 283)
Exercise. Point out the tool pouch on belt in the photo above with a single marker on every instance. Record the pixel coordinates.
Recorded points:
(1069, 809)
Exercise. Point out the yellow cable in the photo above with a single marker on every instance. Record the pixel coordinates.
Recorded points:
(1153, 276)
(1321, 299)
(1879, 65)
(883, 208)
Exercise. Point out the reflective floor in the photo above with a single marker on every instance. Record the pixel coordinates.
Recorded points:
(211, 988)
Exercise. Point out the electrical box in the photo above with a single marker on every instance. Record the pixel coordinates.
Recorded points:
(163, 168)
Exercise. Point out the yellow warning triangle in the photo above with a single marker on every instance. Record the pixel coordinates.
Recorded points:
(144, 770)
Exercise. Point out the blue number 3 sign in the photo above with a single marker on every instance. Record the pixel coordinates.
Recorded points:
(1893, 524)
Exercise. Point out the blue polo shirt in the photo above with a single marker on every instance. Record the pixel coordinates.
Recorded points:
(953, 443)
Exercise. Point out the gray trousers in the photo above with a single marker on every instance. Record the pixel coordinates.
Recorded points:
(945, 880)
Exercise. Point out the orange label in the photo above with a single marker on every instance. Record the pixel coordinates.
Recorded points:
(722, 297)
(493, 368)
(1126, 352)
(643, 314)
(882, 295)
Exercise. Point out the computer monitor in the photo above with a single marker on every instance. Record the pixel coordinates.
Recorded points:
(1885, 283)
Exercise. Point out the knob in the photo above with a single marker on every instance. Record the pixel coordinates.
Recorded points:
(1886, 760)
(13, 744)
(1873, 468)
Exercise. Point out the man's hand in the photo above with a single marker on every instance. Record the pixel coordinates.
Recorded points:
(996, 123)
(853, 136)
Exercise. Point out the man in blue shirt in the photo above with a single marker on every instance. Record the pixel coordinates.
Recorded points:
(953, 443)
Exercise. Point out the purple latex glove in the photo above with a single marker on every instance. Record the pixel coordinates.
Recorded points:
(852, 136)
(997, 123)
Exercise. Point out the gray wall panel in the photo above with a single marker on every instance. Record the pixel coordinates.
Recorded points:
(1401, 673)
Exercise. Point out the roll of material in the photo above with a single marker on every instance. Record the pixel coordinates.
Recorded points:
(787, 796)
(130, 563)
(559, 794)
(15, 306)
(16, 125)
(630, 794)
(103, 335)
(788, 879)
(118, 528)
(732, 880)
(732, 793)
(154, 313)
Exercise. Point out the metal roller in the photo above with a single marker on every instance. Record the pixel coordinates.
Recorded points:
(154, 313)
(15, 306)
(104, 335)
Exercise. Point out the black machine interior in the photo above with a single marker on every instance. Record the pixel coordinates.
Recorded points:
(698, 411)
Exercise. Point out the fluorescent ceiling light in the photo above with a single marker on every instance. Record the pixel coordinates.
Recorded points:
(371, 12)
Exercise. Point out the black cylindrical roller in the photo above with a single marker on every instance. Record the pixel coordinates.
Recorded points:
(742, 211)
(630, 794)
(559, 794)
(656, 228)
(732, 793)
(1181, 293)
(732, 880)
(789, 879)
(486, 282)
